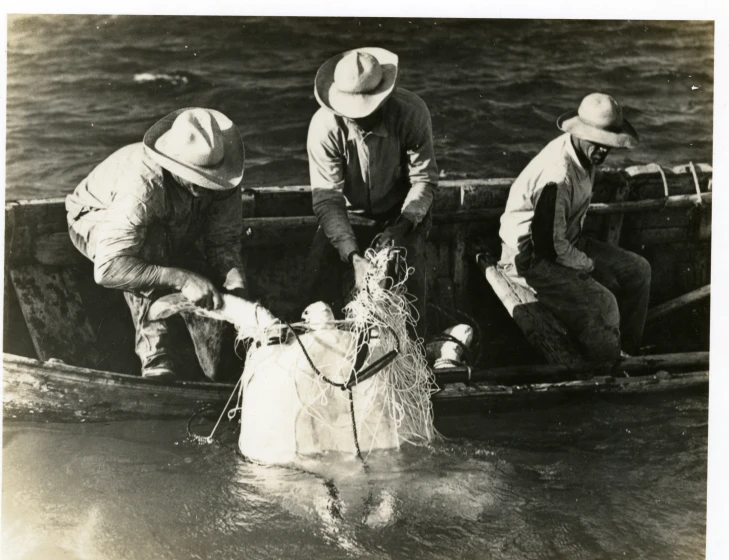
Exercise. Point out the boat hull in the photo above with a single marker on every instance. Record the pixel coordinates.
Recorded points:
(53, 310)
(34, 390)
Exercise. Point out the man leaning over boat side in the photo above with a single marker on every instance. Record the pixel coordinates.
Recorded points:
(140, 216)
(370, 148)
(598, 290)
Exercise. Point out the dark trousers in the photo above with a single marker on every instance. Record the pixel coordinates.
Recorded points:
(330, 280)
(196, 345)
(604, 310)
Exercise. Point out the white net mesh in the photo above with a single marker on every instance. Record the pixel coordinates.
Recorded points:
(407, 383)
(293, 403)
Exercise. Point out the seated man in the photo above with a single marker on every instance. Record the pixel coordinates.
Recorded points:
(598, 290)
(139, 215)
(370, 151)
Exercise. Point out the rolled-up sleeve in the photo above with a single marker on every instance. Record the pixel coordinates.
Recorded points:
(222, 238)
(327, 175)
(422, 167)
(122, 236)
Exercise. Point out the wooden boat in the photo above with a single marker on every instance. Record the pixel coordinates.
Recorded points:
(68, 343)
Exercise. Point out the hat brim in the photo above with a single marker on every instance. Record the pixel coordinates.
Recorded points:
(356, 105)
(225, 175)
(626, 137)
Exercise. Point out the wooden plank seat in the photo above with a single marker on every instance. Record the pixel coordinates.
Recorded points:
(547, 334)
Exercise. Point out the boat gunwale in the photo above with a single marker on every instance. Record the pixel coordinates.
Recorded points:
(632, 172)
(64, 373)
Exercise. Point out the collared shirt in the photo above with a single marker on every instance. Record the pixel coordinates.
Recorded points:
(556, 165)
(113, 207)
(391, 168)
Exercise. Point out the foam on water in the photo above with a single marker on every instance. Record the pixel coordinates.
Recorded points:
(583, 480)
(172, 79)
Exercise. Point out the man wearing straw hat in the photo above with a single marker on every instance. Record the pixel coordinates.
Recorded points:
(370, 149)
(139, 216)
(598, 290)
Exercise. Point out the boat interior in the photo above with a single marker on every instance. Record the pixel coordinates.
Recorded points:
(55, 312)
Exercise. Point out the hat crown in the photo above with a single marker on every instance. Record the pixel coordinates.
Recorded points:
(357, 72)
(194, 138)
(601, 111)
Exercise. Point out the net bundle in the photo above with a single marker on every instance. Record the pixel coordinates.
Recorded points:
(308, 394)
(406, 383)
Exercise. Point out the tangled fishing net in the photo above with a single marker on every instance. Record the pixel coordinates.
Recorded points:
(385, 308)
(351, 386)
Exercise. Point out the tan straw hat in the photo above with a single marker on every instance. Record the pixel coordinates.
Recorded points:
(202, 146)
(356, 83)
(599, 119)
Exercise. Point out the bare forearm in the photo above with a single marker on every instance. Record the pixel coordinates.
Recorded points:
(418, 202)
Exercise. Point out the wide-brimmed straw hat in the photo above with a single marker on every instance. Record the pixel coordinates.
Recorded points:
(202, 146)
(356, 83)
(599, 119)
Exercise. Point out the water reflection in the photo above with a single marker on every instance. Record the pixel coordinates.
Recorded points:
(589, 480)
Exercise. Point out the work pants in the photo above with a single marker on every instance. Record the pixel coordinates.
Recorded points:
(604, 310)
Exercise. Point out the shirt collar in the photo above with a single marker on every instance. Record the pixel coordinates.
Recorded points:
(354, 131)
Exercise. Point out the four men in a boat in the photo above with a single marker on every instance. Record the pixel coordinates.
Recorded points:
(165, 214)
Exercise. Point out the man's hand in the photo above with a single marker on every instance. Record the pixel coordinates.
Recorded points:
(361, 268)
(235, 283)
(394, 234)
(201, 291)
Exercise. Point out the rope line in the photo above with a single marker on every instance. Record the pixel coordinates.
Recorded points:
(342, 386)
(471, 322)
(445, 337)
(665, 185)
(209, 439)
(699, 202)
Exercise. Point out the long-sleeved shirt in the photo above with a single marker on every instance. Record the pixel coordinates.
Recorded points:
(546, 209)
(126, 194)
(391, 167)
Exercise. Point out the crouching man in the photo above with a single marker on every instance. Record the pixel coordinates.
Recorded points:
(142, 215)
(598, 290)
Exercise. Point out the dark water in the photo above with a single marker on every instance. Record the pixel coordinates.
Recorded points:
(79, 87)
(596, 480)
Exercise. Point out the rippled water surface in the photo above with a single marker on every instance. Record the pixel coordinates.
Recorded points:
(618, 478)
(79, 87)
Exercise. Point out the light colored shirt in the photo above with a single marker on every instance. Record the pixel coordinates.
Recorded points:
(389, 168)
(113, 207)
(556, 164)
